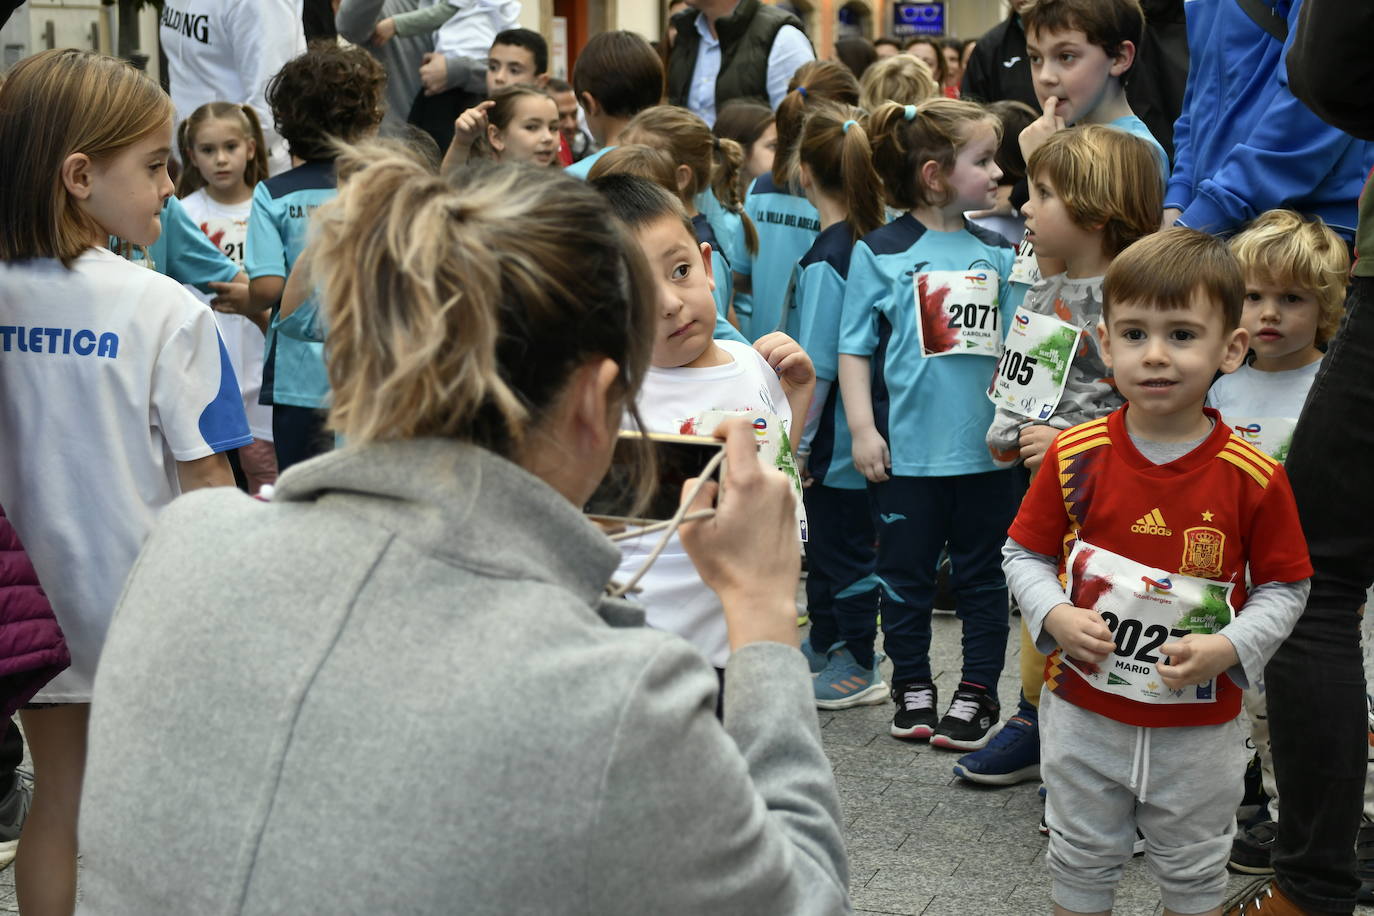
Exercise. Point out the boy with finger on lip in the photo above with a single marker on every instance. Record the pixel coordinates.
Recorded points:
(1081, 53)
(1129, 558)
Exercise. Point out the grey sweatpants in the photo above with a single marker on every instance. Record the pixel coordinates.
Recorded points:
(1180, 786)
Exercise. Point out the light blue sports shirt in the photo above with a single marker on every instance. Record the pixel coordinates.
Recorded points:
(932, 411)
(293, 372)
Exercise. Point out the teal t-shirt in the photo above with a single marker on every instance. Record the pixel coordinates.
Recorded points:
(932, 411)
(581, 167)
(293, 371)
(787, 225)
(186, 254)
(1138, 128)
(818, 300)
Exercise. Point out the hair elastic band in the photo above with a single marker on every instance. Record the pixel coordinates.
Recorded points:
(802, 90)
(909, 112)
(848, 124)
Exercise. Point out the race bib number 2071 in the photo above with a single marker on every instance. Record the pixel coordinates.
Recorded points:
(957, 312)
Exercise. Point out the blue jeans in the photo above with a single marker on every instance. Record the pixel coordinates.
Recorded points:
(917, 516)
(1315, 682)
(841, 586)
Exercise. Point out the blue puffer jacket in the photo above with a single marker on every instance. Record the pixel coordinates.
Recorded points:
(1244, 144)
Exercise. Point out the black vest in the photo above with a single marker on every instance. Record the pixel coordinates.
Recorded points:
(746, 38)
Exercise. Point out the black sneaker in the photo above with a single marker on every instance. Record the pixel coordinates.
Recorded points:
(1251, 848)
(1255, 799)
(915, 717)
(1364, 862)
(971, 721)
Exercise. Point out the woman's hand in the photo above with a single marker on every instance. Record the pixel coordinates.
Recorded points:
(749, 554)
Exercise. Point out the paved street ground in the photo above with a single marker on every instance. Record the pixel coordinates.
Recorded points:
(922, 842)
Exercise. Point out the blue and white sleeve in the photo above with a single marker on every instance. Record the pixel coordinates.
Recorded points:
(196, 402)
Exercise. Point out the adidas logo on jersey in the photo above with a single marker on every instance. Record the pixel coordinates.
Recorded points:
(1152, 523)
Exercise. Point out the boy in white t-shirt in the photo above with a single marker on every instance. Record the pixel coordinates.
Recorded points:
(691, 373)
(1295, 279)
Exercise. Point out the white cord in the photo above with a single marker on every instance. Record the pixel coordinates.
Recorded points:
(680, 516)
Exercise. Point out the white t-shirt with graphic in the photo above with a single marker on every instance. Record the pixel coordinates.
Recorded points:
(227, 227)
(111, 374)
(1263, 407)
(674, 597)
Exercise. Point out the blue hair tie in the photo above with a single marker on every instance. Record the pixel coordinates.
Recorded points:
(909, 112)
(802, 90)
(848, 124)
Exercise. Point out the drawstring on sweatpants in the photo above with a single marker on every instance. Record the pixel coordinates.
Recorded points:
(1140, 763)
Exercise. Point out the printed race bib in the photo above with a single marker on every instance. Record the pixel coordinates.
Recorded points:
(228, 235)
(1034, 366)
(1144, 608)
(1271, 435)
(775, 448)
(1026, 270)
(958, 312)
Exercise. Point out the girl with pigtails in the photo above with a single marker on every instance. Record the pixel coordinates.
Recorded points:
(925, 304)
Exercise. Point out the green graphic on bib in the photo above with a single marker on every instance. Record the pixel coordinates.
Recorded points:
(1145, 609)
(1271, 435)
(1213, 613)
(1034, 366)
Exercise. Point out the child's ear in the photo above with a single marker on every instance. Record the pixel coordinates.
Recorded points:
(684, 177)
(589, 104)
(76, 175)
(804, 176)
(707, 266)
(1122, 60)
(1237, 345)
(1104, 342)
(932, 175)
(251, 146)
(542, 80)
(494, 138)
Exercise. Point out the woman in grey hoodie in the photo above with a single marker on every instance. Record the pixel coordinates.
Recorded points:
(399, 686)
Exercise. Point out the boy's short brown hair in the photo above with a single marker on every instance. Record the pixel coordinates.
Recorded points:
(621, 71)
(1105, 23)
(1167, 269)
(328, 94)
(1105, 177)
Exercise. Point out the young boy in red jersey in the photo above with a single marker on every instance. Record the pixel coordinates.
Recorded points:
(1148, 517)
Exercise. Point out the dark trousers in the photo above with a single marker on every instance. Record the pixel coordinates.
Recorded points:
(11, 755)
(435, 114)
(1315, 682)
(841, 582)
(298, 434)
(917, 516)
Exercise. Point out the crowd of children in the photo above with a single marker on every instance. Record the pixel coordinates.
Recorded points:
(1131, 390)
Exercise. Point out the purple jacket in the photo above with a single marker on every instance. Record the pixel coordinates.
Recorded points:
(32, 648)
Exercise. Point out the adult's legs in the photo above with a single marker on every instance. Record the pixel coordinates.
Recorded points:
(45, 869)
(1315, 681)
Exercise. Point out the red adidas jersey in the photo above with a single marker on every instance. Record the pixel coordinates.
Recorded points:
(1207, 515)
